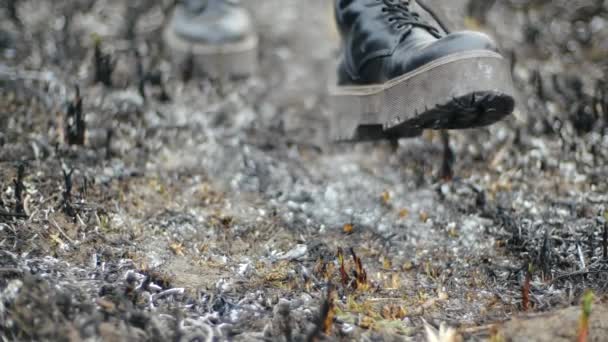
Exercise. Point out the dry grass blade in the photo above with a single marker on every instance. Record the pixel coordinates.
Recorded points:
(344, 278)
(583, 329)
(360, 273)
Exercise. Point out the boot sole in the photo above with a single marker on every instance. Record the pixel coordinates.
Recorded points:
(459, 91)
(237, 59)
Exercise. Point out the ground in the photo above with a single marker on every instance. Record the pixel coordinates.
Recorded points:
(213, 209)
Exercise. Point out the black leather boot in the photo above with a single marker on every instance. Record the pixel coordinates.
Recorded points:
(401, 72)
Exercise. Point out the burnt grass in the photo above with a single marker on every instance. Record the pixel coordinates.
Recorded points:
(141, 202)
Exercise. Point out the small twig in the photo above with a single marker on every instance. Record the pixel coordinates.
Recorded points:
(581, 256)
(168, 292)
(61, 231)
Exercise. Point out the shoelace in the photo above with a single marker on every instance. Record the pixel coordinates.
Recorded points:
(400, 14)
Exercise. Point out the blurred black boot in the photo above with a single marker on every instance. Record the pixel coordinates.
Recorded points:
(213, 37)
(401, 72)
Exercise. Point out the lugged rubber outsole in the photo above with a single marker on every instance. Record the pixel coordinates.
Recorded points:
(459, 91)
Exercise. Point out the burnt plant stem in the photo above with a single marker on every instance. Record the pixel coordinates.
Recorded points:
(343, 275)
(188, 68)
(19, 209)
(140, 74)
(538, 84)
(104, 65)
(75, 126)
(359, 272)
(67, 194)
(513, 61)
(545, 255)
(447, 170)
(153, 78)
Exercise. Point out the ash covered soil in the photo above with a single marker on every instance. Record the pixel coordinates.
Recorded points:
(206, 209)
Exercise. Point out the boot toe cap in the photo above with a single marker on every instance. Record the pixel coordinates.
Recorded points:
(455, 43)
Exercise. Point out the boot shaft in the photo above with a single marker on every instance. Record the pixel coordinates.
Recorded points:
(374, 29)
